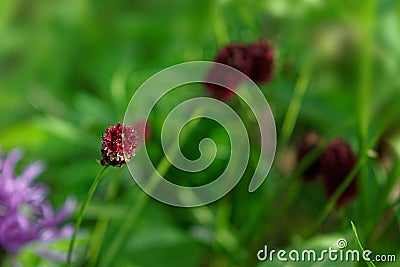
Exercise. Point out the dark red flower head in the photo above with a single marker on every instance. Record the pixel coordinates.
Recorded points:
(336, 164)
(308, 143)
(262, 57)
(255, 60)
(118, 145)
(223, 76)
(236, 56)
(233, 55)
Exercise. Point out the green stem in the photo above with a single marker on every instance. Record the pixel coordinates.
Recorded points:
(82, 210)
(364, 88)
(343, 186)
(385, 205)
(295, 104)
(290, 187)
(221, 32)
(369, 262)
(336, 195)
(101, 226)
(138, 205)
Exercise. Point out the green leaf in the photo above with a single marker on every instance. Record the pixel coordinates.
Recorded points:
(369, 263)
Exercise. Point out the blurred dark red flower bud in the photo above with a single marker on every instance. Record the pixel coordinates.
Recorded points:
(308, 143)
(336, 164)
(118, 145)
(223, 76)
(233, 55)
(262, 57)
(255, 60)
(236, 56)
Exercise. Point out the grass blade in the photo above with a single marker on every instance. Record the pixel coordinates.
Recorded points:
(369, 263)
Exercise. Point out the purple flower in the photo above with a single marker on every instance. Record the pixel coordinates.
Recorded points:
(25, 213)
(118, 145)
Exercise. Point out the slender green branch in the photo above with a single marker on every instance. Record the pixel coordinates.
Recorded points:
(140, 202)
(365, 85)
(368, 262)
(336, 195)
(135, 210)
(343, 186)
(82, 210)
(221, 32)
(295, 104)
(101, 226)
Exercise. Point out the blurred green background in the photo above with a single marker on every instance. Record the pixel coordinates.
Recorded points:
(69, 68)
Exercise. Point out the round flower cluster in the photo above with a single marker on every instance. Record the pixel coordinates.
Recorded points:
(336, 164)
(255, 60)
(118, 145)
(333, 165)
